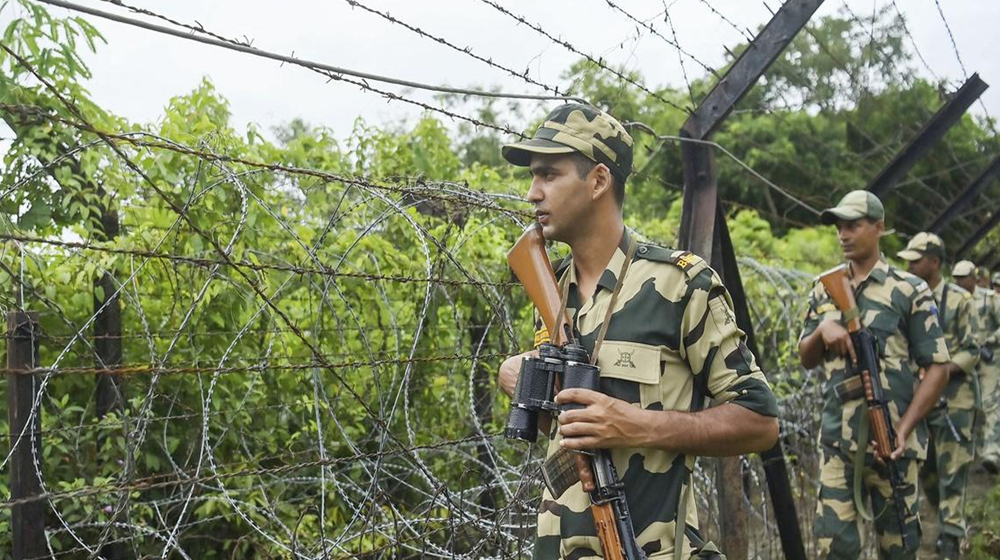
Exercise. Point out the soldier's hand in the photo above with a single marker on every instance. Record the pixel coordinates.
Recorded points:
(837, 339)
(510, 369)
(604, 423)
(897, 453)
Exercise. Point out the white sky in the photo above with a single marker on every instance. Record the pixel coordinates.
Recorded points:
(137, 72)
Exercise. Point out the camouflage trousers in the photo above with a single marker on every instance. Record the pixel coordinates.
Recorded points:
(989, 442)
(838, 525)
(945, 474)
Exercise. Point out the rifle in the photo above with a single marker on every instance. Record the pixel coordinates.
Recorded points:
(594, 470)
(838, 285)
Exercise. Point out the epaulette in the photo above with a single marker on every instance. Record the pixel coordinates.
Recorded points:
(965, 293)
(687, 261)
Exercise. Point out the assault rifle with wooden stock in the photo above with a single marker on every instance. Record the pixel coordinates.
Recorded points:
(595, 470)
(838, 285)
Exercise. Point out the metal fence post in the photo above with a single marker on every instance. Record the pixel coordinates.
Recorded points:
(27, 519)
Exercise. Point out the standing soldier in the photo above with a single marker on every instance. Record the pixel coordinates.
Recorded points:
(898, 309)
(987, 304)
(670, 341)
(952, 449)
(983, 277)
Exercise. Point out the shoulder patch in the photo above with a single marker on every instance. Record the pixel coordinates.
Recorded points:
(687, 261)
(921, 286)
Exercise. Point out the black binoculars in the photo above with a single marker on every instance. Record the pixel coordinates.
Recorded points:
(535, 390)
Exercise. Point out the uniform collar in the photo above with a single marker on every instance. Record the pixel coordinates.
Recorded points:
(609, 278)
(877, 274)
(939, 291)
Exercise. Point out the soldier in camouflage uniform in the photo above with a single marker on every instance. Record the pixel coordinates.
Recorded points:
(671, 341)
(945, 473)
(987, 305)
(898, 308)
(982, 277)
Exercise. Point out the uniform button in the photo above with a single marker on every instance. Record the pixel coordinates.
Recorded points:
(643, 249)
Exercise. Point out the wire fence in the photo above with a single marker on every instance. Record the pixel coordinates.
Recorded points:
(333, 396)
(333, 400)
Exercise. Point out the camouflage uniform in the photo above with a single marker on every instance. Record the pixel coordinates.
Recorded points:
(673, 336)
(952, 444)
(898, 308)
(987, 303)
(671, 341)
(945, 474)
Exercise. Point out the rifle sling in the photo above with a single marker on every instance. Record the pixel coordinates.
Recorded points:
(859, 467)
(564, 300)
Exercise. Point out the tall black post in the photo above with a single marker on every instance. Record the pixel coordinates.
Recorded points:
(23, 386)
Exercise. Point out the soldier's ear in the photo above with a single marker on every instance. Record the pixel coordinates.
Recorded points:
(603, 182)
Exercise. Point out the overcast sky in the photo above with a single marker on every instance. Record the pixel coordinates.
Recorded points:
(137, 72)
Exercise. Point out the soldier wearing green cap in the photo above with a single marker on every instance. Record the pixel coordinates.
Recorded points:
(898, 308)
(952, 447)
(986, 303)
(671, 341)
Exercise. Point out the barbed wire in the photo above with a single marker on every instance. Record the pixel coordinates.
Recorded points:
(422, 188)
(464, 50)
(595, 61)
(331, 72)
(656, 33)
(913, 41)
(258, 267)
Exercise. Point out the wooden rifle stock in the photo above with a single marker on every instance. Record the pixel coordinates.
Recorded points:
(838, 285)
(607, 531)
(530, 263)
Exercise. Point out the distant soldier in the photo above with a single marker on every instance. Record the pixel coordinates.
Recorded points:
(945, 474)
(987, 306)
(996, 283)
(898, 308)
(982, 277)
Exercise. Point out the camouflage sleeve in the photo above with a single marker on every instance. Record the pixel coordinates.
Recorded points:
(716, 350)
(927, 345)
(966, 351)
(812, 318)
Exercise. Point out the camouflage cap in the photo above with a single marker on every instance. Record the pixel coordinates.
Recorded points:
(996, 279)
(923, 243)
(576, 127)
(854, 206)
(963, 269)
